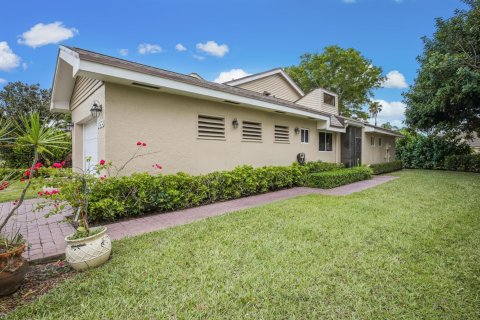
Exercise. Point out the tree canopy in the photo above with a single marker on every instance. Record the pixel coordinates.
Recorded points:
(446, 94)
(344, 71)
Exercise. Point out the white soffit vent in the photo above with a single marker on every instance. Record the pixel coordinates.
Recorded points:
(211, 127)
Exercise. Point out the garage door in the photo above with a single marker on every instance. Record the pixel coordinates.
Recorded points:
(90, 145)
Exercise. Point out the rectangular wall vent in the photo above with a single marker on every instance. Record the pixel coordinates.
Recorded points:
(211, 127)
(282, 134)
(251, 131)
(145, 85)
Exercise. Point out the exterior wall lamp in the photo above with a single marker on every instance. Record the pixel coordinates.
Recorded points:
(297, 131)
(96, 109)
(235, 123)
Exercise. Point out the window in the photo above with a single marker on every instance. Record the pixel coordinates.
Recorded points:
(329, 99)
(326, 141)
(211, 127)
(281, 134)
(379, 142)
(372, 141)
(304, 135)
(251, 131)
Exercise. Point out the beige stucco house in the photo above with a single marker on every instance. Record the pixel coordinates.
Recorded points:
(198, 126)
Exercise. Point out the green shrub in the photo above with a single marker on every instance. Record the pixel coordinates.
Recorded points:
(384, 167)
(340, 177)
(469, 162)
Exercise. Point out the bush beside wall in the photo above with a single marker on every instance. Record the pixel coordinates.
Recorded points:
(336, 178)
(384, 167)
(469, 163)
(140, 193)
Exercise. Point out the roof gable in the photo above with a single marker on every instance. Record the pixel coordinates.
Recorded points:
(276, 82)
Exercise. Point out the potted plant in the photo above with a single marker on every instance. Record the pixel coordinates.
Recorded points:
(28, 133)
(89, 246)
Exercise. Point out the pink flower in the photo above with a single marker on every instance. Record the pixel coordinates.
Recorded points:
(139, 143)
(144, 144)
(159, 167)
(27, 174)
(40, 193)
(38, 166)
(57, 165)
(102, 162)
(103, 177)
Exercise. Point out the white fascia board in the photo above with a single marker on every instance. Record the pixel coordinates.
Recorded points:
(264, 75)
(64, 79)
(104, 72)
(381, 131)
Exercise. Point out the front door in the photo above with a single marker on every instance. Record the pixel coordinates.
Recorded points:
(90, 145)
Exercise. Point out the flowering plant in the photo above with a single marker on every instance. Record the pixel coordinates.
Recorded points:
(75, 192)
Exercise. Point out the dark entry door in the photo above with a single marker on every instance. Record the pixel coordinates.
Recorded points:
(351, 152)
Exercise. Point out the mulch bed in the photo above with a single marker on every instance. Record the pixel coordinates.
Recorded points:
(39, 280)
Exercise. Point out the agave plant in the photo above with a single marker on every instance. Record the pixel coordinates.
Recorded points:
(30, 132)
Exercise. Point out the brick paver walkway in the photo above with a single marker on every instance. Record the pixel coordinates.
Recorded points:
(46, 236)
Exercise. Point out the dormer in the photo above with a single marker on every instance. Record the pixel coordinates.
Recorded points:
(274, 83)
(321, 100)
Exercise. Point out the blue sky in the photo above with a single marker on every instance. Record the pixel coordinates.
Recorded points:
(220, 36)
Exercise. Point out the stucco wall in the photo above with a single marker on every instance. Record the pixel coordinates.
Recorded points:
(377, 154)
(168, 123)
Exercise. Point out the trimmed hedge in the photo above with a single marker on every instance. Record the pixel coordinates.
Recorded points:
(336, 178)
(384, 167)
(469, 163)
(138, 194)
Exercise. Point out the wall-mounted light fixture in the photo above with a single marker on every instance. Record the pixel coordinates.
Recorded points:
(69, 127)
(96, 109)
(297, 131)
(235, 123)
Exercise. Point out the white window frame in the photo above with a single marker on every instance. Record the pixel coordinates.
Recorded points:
(326, 132)
(302, 135)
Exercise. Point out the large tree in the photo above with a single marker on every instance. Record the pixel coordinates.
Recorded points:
(446, 94)
(344, 71)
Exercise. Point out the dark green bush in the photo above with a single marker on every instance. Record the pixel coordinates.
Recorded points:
(340, 177)
(384, 167)
(469, 162)
(427, 151)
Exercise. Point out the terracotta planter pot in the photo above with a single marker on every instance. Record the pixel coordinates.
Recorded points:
(11, 280)
(88, 252)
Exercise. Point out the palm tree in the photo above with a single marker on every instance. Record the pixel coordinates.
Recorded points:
(374, 107)
(31, 133)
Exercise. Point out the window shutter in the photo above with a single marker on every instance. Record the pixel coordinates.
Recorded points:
(211, 127)
(251, 131)
(282, 134)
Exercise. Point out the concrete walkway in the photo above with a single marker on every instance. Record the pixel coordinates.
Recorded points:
(46, 235)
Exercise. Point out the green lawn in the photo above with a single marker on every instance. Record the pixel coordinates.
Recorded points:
(407, 249)
(14, 190)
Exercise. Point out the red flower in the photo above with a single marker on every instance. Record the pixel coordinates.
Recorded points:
(103, 177)
(144, 144)
(22, 179)
(40, 193)
(57, 165)
(4, 185)
(102, 162)
(139, 143)
(27, 174)
(159, 167)
(38, 166)
(63, 163)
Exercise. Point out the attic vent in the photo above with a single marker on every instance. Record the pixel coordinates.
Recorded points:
(251, 131)
(230, 101)
(211, 127)
(145, 85)
(282, 134)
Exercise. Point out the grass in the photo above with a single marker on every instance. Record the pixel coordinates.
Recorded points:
(407, 249)
(14, 190)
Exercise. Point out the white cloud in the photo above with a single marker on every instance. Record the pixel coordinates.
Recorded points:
(213, 48)
(147, 48)
(393, 112)
(8, 59)
(43, 34)
(123, 52)
(2, 81)
(231, 75)
(180, 47)
(201, 58)
(395, 80)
